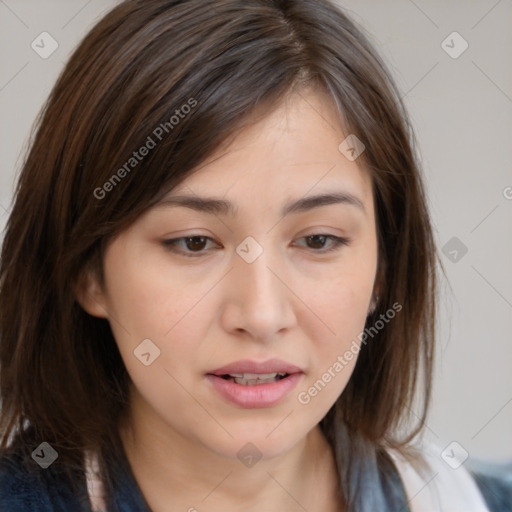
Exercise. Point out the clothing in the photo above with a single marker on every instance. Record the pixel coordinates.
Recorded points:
(441, 489)
(49, 490)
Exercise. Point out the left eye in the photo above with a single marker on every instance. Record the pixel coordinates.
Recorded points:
(194, 245)
(321, 239)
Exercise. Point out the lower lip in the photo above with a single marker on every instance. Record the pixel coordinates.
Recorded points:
(259, 395)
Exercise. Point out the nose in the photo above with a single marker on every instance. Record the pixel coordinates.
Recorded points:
(259, 302)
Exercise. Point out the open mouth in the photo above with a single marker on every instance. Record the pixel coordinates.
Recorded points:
(254, 379)
(251, 384)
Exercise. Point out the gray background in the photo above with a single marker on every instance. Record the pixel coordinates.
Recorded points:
(462, 112)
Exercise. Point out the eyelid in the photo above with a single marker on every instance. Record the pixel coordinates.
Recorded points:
(336, 243)
(172, 242)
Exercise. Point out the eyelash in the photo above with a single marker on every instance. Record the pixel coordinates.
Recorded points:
(336, 245)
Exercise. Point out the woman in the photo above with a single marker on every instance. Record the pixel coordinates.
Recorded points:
(218, 277)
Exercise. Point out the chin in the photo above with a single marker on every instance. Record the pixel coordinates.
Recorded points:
(259, 442)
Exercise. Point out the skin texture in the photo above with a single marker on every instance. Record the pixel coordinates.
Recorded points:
(293, 303)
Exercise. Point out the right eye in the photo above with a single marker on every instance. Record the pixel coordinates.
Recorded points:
(189, 246)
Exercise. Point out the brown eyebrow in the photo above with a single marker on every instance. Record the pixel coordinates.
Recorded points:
(223, 207)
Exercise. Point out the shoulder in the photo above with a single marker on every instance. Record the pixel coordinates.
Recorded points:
(26, 486)
(436, 479)
(495, 483)
(20, 488)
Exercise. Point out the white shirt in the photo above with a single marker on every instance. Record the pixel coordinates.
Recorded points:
(440, 488)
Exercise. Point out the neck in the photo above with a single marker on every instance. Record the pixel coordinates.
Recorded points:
(172, 469)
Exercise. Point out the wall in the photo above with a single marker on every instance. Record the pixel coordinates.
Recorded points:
(461, 106)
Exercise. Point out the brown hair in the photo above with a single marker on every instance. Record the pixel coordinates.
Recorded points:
(61, 371)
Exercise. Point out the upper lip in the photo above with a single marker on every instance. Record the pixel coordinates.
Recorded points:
(249, 366)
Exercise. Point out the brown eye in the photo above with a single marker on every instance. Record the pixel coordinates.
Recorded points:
(317, 242)
(188, 245)
(195, 246)
(195, 243)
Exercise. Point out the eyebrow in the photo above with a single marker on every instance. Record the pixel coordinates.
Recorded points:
(216, 206)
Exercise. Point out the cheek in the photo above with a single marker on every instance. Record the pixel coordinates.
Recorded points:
(335, 355)
(342, 306)
(148, 300)
(147, 296)
(341, 302)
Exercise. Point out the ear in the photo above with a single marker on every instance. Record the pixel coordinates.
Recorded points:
(373, 304)
(90, 295)
(376, 293)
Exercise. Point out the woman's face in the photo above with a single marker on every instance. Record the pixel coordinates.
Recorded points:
(251, 293)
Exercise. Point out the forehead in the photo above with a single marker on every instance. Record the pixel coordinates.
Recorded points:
(294, 151)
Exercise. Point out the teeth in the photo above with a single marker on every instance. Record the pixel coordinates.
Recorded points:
(256, 375)
(253, 379)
